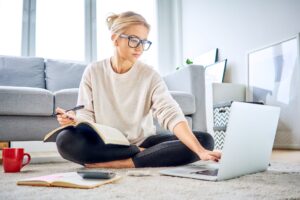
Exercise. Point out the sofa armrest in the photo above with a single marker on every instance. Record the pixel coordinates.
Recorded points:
(191, 79)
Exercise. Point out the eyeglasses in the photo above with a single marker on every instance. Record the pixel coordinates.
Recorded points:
(134, 42)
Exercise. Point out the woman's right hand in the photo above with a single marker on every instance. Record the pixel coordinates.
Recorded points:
(64, 118)
(210, 155)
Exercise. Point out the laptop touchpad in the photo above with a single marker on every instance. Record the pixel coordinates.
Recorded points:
(210, 172)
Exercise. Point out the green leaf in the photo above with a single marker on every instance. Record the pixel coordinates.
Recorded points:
(189, 61)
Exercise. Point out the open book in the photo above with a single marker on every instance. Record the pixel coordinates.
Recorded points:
(69, 180)
(108, 134)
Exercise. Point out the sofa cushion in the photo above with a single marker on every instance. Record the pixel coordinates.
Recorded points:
(22, 71)
(26, 128)
(185, 100)
(66, 98)
(63, 75)
(25, 101)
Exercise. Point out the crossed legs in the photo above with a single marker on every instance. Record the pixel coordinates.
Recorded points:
(83, 146)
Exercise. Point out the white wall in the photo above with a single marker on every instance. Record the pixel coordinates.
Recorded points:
(236, 27)
(169, 35)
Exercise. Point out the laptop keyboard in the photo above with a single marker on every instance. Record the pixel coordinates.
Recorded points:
(210, 172)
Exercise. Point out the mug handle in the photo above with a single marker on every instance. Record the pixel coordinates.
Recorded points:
(28, 159)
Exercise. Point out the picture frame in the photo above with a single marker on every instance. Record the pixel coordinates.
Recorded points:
(207, 58)
(274, 79)
(216, 72)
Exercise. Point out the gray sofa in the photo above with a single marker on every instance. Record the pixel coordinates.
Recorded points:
(31, 88)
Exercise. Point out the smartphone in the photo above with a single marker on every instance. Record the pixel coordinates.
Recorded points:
(95, 174)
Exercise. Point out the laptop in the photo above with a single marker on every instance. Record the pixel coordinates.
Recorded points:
(247, 148)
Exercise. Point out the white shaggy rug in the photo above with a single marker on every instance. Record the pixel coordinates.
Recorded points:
(281, 181)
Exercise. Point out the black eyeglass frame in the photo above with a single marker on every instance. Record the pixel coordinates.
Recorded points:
(143, 42)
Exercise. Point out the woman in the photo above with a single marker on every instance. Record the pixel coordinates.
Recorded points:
(125, 93)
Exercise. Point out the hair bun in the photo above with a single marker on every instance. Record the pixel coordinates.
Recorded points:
(110, 20)
(117, 23)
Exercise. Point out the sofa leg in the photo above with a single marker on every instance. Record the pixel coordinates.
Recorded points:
(3, 145)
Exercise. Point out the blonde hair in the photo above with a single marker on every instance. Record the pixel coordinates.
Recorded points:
(118, 23)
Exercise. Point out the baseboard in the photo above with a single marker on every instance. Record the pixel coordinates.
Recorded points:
(45, 157)
(34, 146)
(39, 151)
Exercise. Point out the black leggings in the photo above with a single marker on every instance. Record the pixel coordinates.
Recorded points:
(84, 146)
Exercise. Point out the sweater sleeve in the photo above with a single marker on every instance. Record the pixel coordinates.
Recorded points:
(164, 107)
(85, 97)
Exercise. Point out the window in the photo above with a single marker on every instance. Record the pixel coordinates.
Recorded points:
(11, 27)
(56, 29)
(60, 29)
(147, 8)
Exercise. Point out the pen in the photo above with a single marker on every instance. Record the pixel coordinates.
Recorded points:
(72, 109)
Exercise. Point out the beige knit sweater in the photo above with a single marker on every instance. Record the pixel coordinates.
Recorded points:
(127, 101)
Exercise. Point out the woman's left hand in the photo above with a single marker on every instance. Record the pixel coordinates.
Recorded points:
(210, 155)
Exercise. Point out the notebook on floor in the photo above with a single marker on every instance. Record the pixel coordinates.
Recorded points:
(247, 149)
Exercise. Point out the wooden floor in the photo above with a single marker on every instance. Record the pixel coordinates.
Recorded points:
(288, 156)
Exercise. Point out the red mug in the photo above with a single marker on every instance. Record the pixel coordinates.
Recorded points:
(13, 159)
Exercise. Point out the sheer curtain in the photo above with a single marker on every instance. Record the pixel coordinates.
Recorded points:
(60, 29)
(10, 27)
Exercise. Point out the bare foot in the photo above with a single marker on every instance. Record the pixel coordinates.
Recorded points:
(141, 149)
(127, 163)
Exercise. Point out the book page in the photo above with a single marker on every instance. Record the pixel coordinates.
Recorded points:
(110, 135)
(69, 179)
(48, 178)
(51, 136)
(41, 180)
(72, 179)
